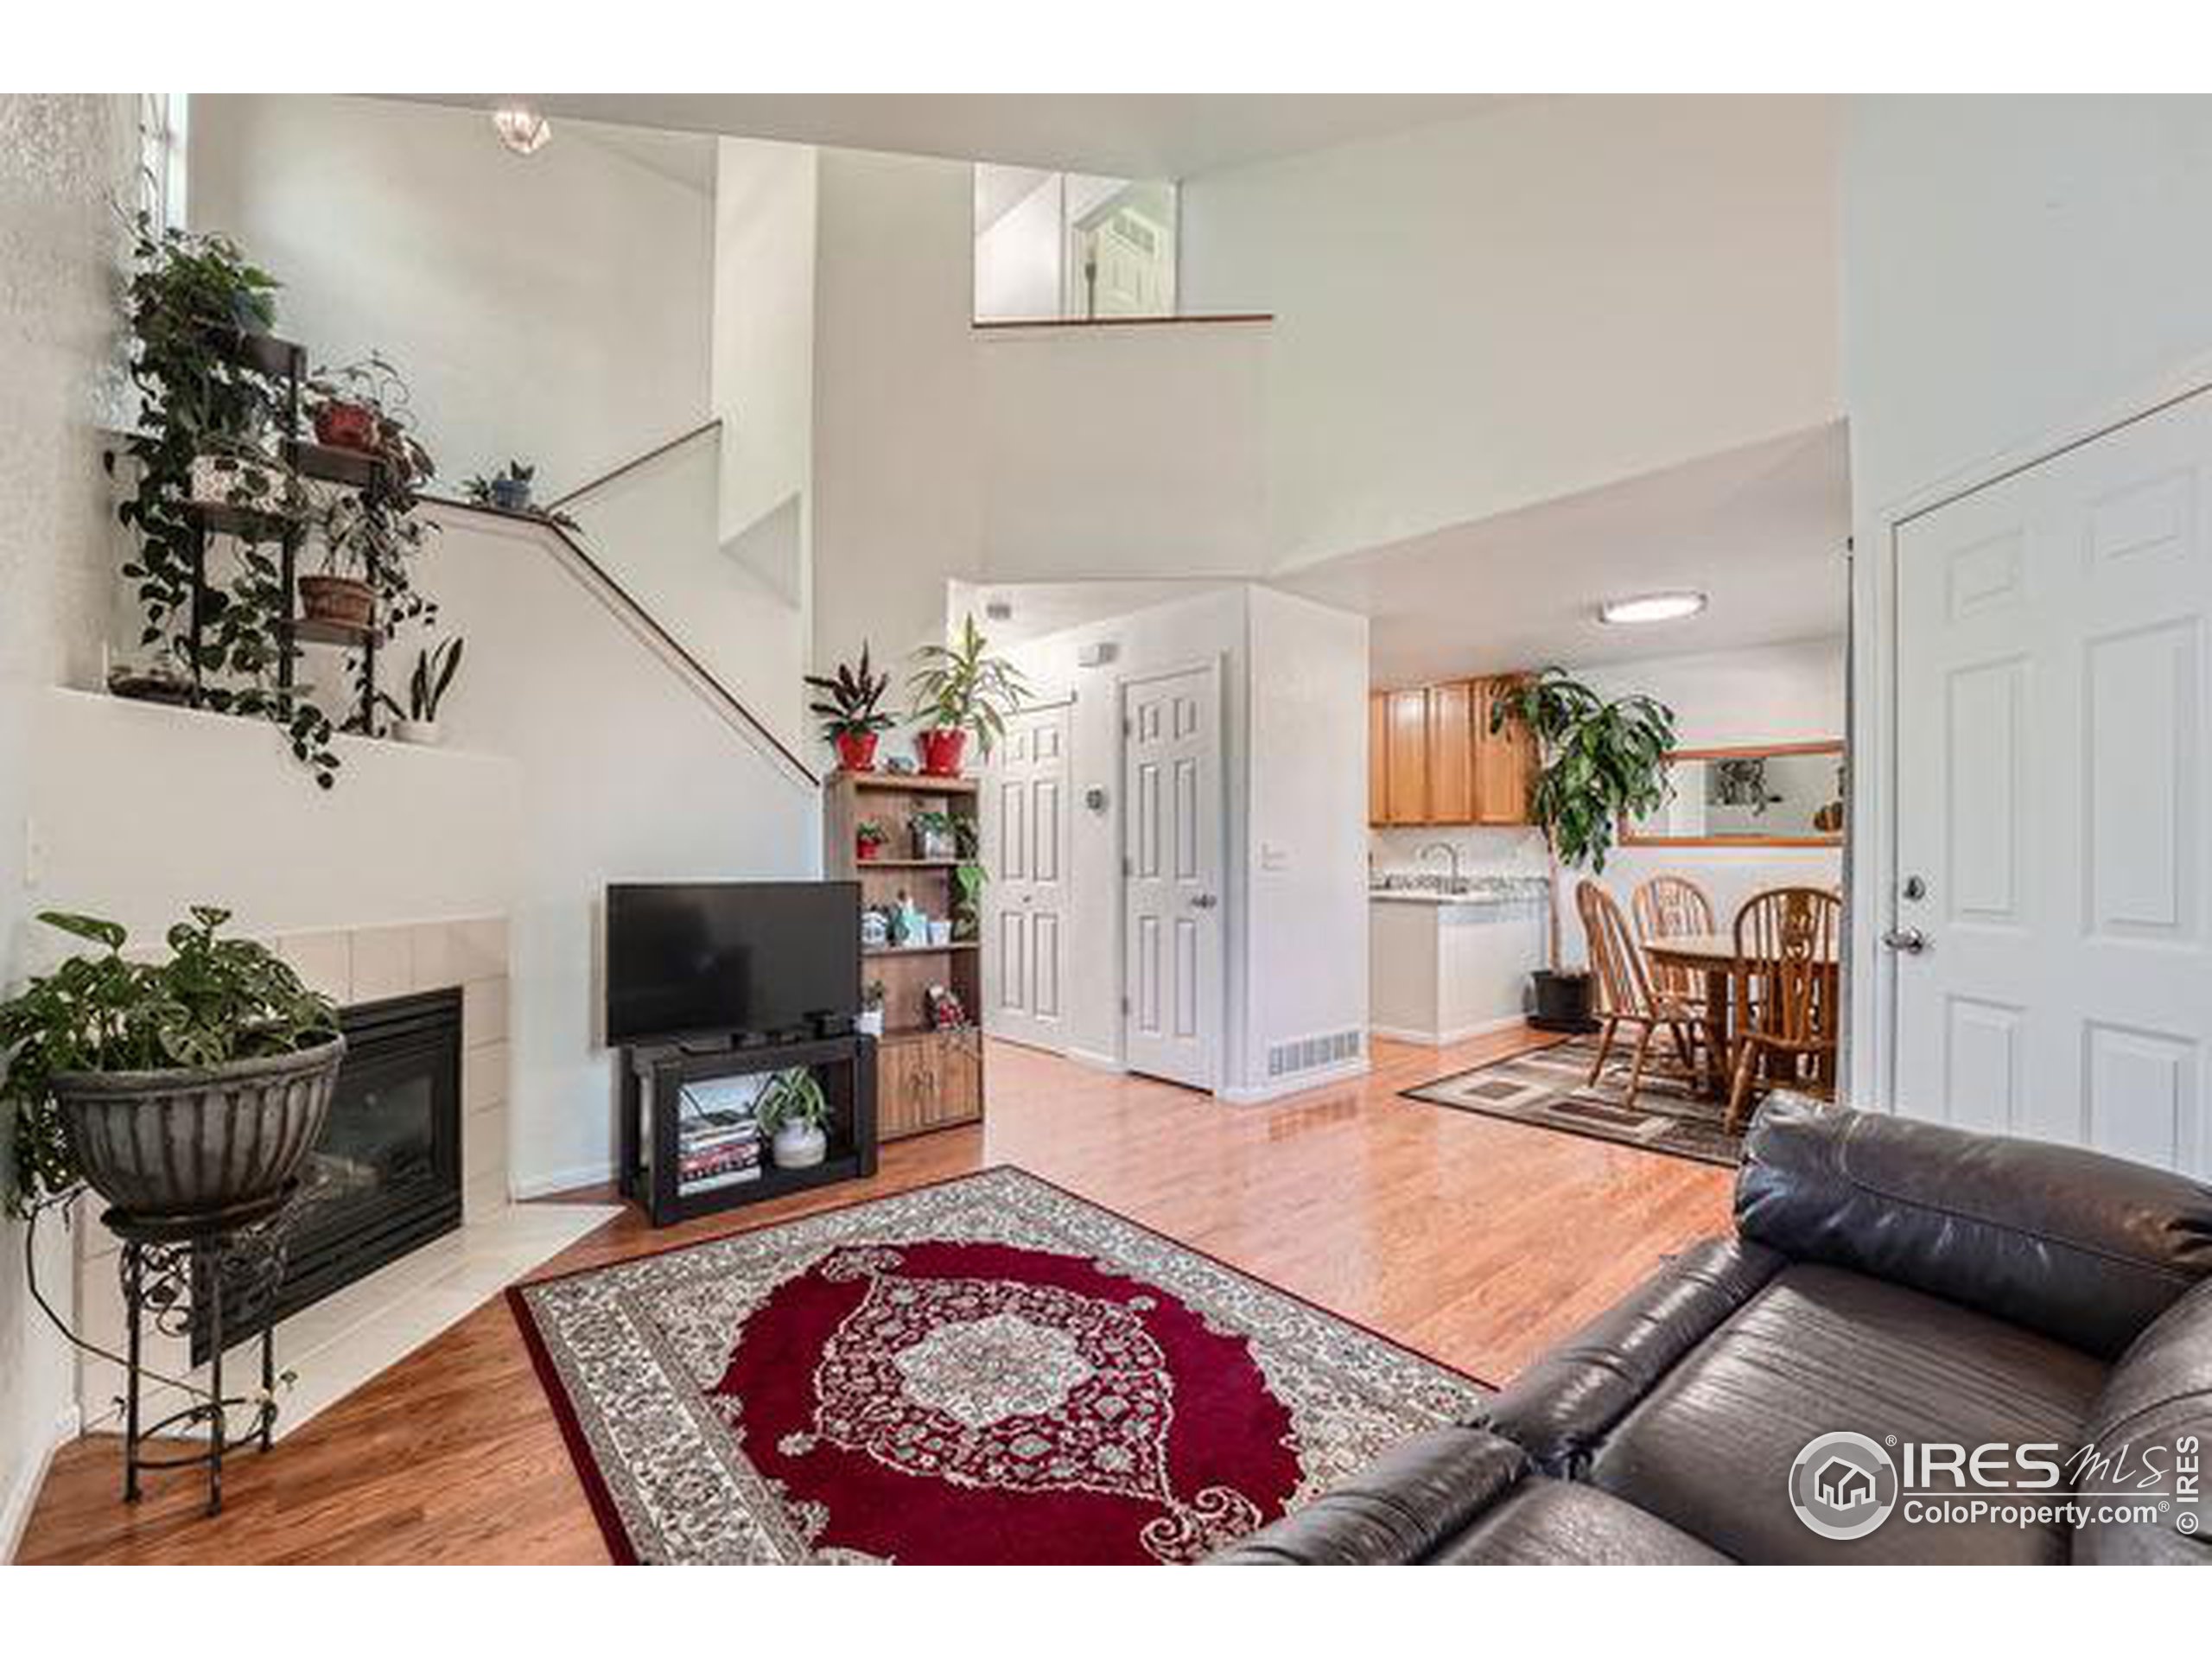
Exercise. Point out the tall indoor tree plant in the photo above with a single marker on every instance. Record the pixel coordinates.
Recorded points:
(959, 691)
(1599, 763)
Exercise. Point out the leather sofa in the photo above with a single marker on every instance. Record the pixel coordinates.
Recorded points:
(1896, 1278)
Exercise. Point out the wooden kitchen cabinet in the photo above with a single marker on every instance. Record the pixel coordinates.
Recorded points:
(1408, 785)
(1450, 753)
(1378, 757)
(1433, 759)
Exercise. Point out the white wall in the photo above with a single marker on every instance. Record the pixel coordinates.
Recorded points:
(555, 308)
(1018, 259)
(1475, 315)
(61, 158)
(1770, 694)
(624, 773)
(1306, 842)
(2013, 269)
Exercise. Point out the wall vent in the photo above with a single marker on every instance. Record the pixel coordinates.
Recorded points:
(1313, 1053)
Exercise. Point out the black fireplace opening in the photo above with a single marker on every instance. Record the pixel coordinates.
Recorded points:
(384, 1178)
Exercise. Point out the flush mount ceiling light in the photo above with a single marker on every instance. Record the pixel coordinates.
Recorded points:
(521, 129)
(1650, 607)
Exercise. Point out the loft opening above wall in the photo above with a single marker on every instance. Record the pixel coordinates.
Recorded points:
(1062, 247)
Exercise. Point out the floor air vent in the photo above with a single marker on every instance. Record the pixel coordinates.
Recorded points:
(1312, 1054)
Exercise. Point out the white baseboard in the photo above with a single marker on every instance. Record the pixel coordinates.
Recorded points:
(1253, 1095)
(1439, 1039)
(23, 1497)
(1094, 1060)
(563, 1180)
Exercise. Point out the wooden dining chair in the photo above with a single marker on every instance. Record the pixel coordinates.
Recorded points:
(1625, 993)
(1784, 994)
(1666, 907)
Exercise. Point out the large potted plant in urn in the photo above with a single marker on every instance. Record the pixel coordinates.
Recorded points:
(1598, 762)
(185, 1092)
(960, 690)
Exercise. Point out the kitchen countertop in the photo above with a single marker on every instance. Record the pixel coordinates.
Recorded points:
(1477, 889)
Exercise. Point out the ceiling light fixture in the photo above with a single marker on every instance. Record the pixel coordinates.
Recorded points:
(1650, 607)
(521, 129)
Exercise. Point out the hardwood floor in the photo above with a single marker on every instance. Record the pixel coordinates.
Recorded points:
(1477, 1242)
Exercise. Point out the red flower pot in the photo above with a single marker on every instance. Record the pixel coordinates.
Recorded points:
(869, 851)
(346, 426)
(941, 751)
(856, 751)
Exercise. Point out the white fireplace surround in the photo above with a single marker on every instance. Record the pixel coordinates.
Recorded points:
(341, 1341)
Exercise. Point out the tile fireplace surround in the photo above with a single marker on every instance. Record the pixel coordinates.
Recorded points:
(341, 1341)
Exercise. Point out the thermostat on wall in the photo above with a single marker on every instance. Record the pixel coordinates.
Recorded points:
(1098, 654)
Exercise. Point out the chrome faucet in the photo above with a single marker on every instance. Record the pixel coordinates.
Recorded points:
(1449, 851)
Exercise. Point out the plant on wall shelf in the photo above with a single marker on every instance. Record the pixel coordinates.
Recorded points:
(1598, 762)
(435, 668)
(508, 491)
(932, 834)
(870, 837)
(211, 420)
(959, 691)
(849, 705)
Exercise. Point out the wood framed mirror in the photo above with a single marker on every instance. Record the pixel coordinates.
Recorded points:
(1756, 795)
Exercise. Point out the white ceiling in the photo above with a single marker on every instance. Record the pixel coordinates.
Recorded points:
(1761, 530)
(1130, 134)
(1042, 607)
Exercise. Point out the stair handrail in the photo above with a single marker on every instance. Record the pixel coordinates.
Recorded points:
(712, 424)
(635, 612)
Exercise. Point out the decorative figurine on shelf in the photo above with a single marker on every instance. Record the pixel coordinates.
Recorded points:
(876, 928)
(908, 924)
(946, 1011)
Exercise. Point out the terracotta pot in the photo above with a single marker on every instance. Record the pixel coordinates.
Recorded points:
(941, 751)
(346, 426)
(346, 601)
(856, 750)
(176, 1146)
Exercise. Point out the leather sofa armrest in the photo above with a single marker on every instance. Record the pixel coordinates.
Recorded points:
(1560, 1408)
(2081, 1246)
(2155, 1413)
(1394, 1511)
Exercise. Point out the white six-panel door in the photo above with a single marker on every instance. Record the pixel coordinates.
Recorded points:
(1171, 885)
(1025, 894)
(2053, 937)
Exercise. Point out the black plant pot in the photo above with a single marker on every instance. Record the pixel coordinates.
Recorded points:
(1562, 1001)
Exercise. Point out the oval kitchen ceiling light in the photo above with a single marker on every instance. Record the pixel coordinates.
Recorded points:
(1651, 608)
(521, 129)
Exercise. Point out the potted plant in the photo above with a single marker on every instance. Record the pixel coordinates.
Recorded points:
(796, 1113)
(426, 688)
(958, 689)
(870, 1023)
(1597, 763)
(850, 717)
(968, 900)
(506, 491)
(869, 839)
(186, 1088)
(932, 834)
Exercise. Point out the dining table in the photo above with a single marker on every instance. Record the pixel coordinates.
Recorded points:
(1713, 957)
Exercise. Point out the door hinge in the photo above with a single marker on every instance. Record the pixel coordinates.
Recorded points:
(1129, 866)
(1125, 1005)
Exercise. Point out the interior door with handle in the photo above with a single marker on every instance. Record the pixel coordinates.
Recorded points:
(2052, 942)
(1025, 892)
(1172, 920)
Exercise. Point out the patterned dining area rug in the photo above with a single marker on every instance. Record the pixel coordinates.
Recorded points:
(990, 1370)
(1549, 1089)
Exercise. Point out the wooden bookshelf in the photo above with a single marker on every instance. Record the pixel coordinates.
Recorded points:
(925, 1079)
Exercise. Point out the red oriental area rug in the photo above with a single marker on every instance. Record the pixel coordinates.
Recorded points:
(987, 1370)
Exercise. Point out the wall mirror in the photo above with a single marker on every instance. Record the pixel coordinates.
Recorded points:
(1759, 795)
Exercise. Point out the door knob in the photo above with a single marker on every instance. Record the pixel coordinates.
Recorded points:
(1911, 940)
(1203, 901)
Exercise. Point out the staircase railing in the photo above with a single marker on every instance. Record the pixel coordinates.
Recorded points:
(638, 617)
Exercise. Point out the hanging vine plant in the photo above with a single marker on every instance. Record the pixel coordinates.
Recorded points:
(210, 425)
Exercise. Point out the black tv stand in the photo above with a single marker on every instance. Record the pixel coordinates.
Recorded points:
(652, 1075)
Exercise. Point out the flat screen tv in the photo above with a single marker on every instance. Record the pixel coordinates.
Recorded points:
(692, 959)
